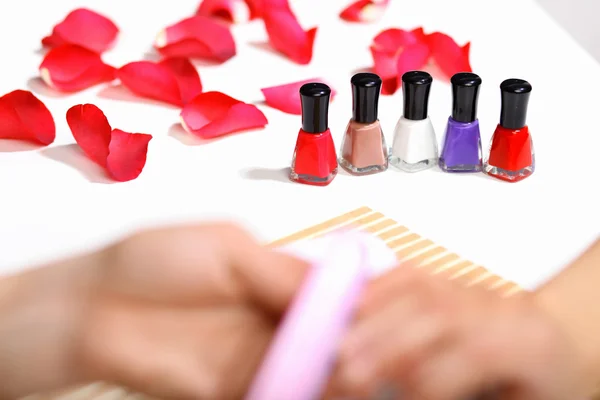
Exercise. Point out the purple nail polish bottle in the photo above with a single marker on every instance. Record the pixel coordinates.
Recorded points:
(461, 148)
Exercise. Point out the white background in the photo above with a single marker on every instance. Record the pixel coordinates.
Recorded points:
(524, 231)
(580, 18)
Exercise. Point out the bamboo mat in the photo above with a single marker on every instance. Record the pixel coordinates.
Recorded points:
(408, 245)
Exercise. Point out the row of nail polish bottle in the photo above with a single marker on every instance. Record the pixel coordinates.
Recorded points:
(511, 155)
(363, 149)
(414, 146)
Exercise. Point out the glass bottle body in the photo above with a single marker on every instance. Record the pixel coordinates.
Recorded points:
(511, 155)
(314, 161)
(414, 147)
(461, 147)
(364, 150)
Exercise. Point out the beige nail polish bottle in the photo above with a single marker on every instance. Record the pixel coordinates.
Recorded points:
(364, 150)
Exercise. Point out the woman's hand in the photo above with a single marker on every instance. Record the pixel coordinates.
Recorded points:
(183, 313)
(428, 339)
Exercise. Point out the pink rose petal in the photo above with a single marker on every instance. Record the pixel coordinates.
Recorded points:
(197, 37)
(85, 28)
(122, 154)
(173, 80)
(364, 10)
(214, 114)
(71, 68)
(287, 98)
(448, 56)
(285, 33)
(233, 11)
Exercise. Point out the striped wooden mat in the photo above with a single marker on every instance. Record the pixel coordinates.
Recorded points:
(409, 246)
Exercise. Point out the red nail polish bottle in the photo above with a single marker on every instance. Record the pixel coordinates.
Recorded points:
(511, 156)
(315, 159)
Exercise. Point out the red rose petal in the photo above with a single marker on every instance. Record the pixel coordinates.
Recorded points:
(364, 10)
(396, 51)
(286, 35)
(286, 97)
(151, 80)
(173, 80)
(85, 28)
(447, 55)
(234, 11)
(127, 155)
(214, 114)
(186, 75)
(197, 37)
(91, 131)
(25, 117)
(393, 39)
(71, 68)
(256, 8)
(387, 47)
(412, 57)
(122, 154)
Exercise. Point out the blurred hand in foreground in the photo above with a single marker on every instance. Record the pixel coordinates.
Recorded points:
(426, 338)
(182, 313)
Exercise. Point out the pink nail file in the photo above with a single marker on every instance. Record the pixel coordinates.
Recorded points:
(301, 356)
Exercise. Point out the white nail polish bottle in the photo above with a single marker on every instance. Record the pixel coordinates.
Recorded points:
(415, 146)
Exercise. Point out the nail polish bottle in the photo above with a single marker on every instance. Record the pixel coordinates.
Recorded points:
(315, 159)
(461, 146)
(364, 150)
(511, 157)
(415, 146)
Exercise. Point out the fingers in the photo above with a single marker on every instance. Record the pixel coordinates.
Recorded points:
(406, 319)
(271, 279)
(386, 347)
(450, 375)
(385, 287)
(268, 277)
(402, 280)
(432, 340)
(217, 262)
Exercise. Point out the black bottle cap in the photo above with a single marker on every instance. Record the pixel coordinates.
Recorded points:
(315, 107)
(515, 99)
(465, 91)
(365, 97)
(415, 88)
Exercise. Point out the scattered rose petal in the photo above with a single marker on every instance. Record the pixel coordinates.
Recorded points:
(91, 131)
(25, 117)
(234, 11)
(197, 37)
(285, 33)
(122, 154)
(287, 98)
(127, 154)
(448, 56)
(85, 28)
(186, 75)
(214, 114)
(70, 68)
(396, 51)
(256, 8)
(413, 57)
(173, 80)
(364, 10)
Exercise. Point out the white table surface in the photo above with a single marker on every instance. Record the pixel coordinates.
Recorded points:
(525, 231)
